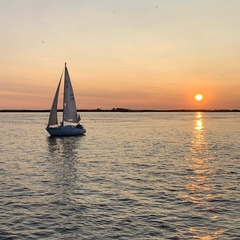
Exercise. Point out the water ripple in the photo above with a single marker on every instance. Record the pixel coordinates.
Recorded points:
(133, 176)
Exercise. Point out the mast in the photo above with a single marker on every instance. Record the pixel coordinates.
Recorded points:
(65, 66)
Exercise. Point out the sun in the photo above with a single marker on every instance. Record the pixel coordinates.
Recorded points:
(199, 97)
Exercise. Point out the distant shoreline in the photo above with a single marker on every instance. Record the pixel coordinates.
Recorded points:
(127, 110)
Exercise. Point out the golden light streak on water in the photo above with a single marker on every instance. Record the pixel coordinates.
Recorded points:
(202, 171)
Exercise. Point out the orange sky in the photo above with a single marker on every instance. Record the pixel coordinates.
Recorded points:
(131, 54)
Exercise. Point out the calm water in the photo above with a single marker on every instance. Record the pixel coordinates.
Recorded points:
(132, 176)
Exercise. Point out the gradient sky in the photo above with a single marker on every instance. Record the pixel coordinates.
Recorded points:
(138, 54)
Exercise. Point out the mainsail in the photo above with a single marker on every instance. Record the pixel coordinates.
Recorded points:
(53, 113)
(69, 105)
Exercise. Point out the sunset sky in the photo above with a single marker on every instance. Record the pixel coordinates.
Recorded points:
(138, 54)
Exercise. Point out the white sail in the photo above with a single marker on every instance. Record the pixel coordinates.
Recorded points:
(69, 105)
(53, 113)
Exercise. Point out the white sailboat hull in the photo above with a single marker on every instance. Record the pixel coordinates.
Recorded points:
(65, 131)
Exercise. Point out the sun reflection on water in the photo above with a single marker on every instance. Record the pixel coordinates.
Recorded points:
(199, 192)
(199, 122)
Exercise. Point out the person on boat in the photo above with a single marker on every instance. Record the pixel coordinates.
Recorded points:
(79, 125)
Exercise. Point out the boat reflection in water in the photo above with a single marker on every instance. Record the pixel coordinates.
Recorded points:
(200, 193)
(65, 186)
(63, 157)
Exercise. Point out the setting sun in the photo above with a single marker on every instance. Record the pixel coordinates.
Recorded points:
(199, 97)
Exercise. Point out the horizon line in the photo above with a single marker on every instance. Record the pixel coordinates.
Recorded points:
(125, 110)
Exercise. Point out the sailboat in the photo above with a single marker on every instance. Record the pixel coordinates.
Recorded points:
(69, 125)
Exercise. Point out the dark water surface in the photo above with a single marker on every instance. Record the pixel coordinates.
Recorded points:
(132, 176)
